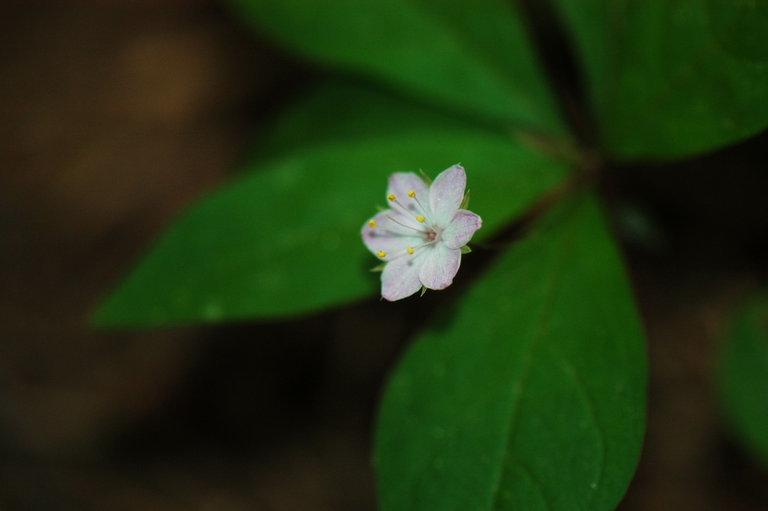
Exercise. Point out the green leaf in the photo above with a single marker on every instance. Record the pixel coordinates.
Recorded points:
(465, 201)
(344, 111)
(672, 78)
(739, 27)
(471, 56)
(531, 394)
(743, 377)
(284, 238)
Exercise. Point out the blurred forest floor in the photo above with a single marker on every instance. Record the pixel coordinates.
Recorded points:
(115, 114)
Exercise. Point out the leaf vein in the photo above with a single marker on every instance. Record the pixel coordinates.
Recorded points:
(538, 337)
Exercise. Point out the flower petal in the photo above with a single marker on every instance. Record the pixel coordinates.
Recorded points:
(400, 277)
(446, 194)
(389, 236)
(400, 183)
(439, 266)
(460, 230)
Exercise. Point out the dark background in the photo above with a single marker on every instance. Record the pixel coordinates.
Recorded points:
(113, 116)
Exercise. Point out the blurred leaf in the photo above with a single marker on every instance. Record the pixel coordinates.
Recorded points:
(470, 56)
(672, 78)
(344, 111)
(531, 394)
(285, 237)
(739, 27)
(744, 376)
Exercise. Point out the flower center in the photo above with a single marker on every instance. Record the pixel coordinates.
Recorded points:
(427, 231)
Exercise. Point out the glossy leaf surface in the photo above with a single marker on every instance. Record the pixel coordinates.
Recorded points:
(672, 78)
(469, 56)
(531, 394)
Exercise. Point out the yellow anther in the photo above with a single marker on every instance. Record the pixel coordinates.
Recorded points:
(391, 196)
(420, 218)
(411, 194)
(409, 250)
(371, 223)
(381, 253)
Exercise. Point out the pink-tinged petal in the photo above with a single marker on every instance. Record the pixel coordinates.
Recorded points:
(400, 278)
(400, 183)
(446, 194)
(440, 266)
(388, 236)
(460, 230)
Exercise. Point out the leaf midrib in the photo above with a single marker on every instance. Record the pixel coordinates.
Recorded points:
(538, 338)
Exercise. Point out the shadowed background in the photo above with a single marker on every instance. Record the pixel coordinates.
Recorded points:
(113, 116)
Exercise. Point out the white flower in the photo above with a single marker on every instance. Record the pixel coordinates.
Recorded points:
(421, 235)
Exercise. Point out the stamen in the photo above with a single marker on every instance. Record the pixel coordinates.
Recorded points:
(412, 249)
(418, 203)
(412, 194)
(392, 198)
(403, 225)
(381, 253)
(371, 223)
